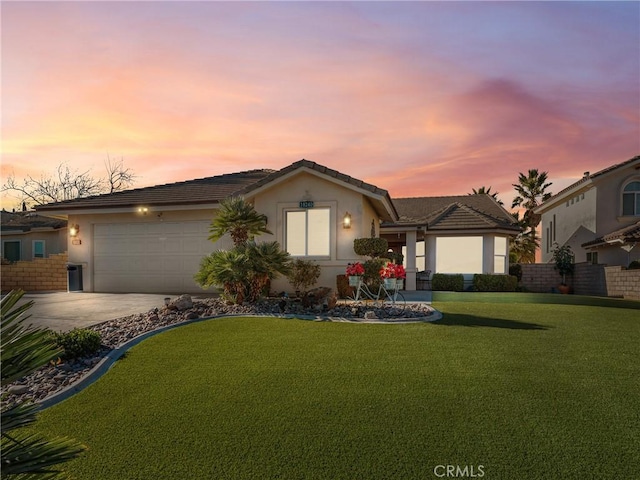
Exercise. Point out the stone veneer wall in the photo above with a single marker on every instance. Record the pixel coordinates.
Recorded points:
(41, 274)
(623, 283)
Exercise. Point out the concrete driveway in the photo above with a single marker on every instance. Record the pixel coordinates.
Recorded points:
(63, 311)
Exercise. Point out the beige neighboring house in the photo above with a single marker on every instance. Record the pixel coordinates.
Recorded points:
(27, 236)
(152, 239)
(598, 216)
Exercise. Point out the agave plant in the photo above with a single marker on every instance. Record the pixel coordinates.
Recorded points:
(24, 350)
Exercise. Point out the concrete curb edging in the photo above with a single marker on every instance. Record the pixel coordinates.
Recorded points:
(114, 355)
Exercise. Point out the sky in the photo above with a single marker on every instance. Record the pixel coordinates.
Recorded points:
(418, 98)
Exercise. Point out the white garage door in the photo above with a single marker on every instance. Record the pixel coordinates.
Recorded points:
(154, 257)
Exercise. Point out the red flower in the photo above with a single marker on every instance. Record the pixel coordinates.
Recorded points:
(355, 269)
(391, 270)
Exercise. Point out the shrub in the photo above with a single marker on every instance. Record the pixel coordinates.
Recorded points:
(515, 269)
(447, 282)
(372, 272)
(78, 342)
(303, 274)
(495, 283)
(370, 247)
(635, 265)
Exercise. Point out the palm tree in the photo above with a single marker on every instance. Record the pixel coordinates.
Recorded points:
(487, 191)
(244, 271)
(24, 350)
(238, 218)
(531, 193)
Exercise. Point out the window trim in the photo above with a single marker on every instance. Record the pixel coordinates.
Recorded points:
(636, 198)
(284, 208)
(33, 249)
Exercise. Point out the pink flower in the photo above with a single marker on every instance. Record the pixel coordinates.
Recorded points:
(391, 270)
(354, 269)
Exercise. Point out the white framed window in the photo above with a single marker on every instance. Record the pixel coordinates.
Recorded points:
(308, 232)
(631, 199)
(500, 255)
(459, 255)
(421, 262)
(38, 249)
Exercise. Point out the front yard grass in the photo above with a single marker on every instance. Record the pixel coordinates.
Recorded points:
(525, 391)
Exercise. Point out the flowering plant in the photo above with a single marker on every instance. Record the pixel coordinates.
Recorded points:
(354, 269)
(391, 270)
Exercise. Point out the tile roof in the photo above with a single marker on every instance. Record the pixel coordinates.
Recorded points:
(628, 234)
(477, 211)
(321, 169)
(588, 177)
(25, 221)
(201, 190)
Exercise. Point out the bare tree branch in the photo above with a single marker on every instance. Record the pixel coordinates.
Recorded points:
(67, 184)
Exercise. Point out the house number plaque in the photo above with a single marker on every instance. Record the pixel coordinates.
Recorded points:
(306, 204)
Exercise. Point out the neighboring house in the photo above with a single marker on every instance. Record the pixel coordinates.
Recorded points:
(598, 216)
(152, 239)
(27, 236)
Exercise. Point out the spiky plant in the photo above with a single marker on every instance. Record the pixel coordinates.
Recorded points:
(24, 350)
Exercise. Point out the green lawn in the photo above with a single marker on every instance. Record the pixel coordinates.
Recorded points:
(525, 391)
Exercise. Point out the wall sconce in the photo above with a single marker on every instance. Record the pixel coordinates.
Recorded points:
(73, 230)
(346, 221)
(143, 210)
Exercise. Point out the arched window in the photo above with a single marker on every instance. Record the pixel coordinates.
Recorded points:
(631, 199)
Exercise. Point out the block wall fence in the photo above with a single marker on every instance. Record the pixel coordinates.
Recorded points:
(587, 279)
(41, 274)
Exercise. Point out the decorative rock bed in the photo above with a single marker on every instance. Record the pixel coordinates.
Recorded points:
(51, 379)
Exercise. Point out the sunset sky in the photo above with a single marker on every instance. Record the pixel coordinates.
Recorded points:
(420, 98)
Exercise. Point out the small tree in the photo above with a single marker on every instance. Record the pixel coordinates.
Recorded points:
(563, 258)
(24, 350)
(303, 274)
(239, 219)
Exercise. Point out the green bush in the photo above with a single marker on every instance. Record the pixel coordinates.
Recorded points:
(370, 247)
(303, 274)
(495, 283)
(78, 342)
(635, 265)
(372, 272)
(515, 269)
(447, 282)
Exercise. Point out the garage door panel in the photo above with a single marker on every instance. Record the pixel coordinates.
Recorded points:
(149, 257)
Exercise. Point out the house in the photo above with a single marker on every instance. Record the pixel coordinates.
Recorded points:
(27, 236)
(152, 239)
(598, 216)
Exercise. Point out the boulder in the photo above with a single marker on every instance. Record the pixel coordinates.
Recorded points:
(320, 298)
(183, 302)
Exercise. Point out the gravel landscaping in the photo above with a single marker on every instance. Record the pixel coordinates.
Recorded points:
(114, 333)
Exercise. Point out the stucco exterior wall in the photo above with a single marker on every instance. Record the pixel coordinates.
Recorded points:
(575, 224)
(55, 242)
(275, 201)
(589, 213)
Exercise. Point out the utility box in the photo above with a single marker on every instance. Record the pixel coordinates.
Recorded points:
(74, 278)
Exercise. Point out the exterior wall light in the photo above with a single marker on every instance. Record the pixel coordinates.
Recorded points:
(143, 210)
(73, 230)
(346, 221)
